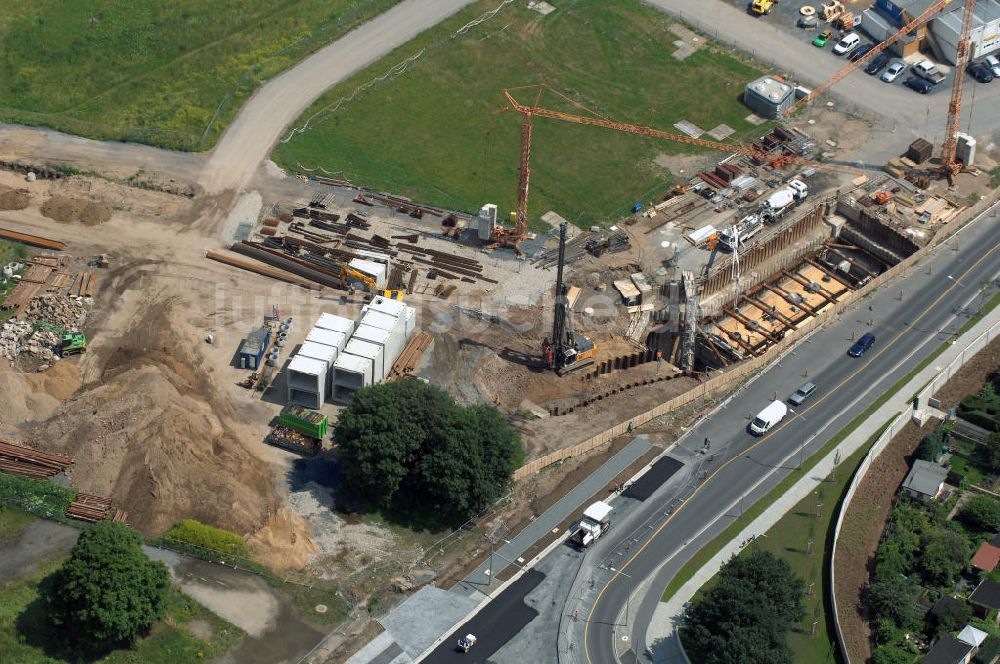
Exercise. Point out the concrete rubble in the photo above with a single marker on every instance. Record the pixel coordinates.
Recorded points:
(17, 340)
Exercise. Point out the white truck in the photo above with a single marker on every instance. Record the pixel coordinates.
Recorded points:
(925, 69)
(767, 418)
(783, 200)
(740, 232)
(595, 523)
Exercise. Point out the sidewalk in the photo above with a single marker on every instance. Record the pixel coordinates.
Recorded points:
(660, 633)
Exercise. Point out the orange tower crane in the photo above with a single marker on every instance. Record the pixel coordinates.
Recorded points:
(512, 237)
(949, 163)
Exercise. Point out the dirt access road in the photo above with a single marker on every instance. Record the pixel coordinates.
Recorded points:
(248, 141)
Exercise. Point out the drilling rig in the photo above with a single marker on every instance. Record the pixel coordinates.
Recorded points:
(566, 351)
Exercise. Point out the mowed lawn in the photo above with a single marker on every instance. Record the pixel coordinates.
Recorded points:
(432, 132)
(172, 74)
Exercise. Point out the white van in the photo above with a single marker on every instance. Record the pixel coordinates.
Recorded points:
(847, 44)
(767, 418)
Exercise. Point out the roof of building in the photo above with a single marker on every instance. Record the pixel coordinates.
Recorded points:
(770, 88)
(987, 594)
(942, 605)
(948, 650)
(925, 477)
(972, 636)
(995, 541)
(255, 341)
(986, 557)
(985, 12)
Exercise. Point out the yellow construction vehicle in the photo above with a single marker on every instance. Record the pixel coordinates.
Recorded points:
(349, 275)
(762, 7)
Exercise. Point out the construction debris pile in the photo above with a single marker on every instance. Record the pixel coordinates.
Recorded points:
(19, 338)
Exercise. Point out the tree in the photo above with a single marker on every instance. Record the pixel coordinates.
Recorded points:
(891, 654)
(944, 555)
(894, 599)
(746, 615)
(407, 448)
(981, 514)
(932, 445)
(954, 616)
(108, 591)
(991, 453)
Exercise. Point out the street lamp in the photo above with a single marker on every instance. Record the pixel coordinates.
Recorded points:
(628, 597)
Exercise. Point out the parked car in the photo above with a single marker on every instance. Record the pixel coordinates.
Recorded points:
(802, 394)
(980, 72)
(893, 71)
(993, 63)
(862, 345)
(822, 38)
(847, 44)
(917, 84)
(860, 52)
(878, 63)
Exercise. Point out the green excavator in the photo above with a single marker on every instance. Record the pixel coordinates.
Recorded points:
(70, 343)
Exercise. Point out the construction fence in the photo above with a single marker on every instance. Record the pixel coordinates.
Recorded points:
(738, 374)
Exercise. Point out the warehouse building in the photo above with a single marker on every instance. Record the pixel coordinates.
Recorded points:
(941, 35)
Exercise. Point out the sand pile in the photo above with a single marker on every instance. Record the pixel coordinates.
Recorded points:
(65, 209)
(156, 437)
(13, 199)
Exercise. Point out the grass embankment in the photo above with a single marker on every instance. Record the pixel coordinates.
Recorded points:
(699, 559)
(433, 133)
(172, 74)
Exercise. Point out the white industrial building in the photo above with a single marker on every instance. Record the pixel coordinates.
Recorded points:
(942, 34)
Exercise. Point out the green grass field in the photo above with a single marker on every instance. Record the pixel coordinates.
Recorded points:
(155, 72)
(432, 133)
(25, 639)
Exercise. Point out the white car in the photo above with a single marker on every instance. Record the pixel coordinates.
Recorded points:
(893, 71)
(847, 44)
(994, 64)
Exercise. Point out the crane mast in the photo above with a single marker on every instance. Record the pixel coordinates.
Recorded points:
(948, 162)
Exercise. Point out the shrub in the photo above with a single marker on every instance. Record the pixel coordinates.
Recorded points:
(199, 534)
(39, 497)
(981, 514)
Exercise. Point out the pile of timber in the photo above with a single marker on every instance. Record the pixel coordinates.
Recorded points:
(448, 265)
(24, 461)
(91, 508)
(408, 360)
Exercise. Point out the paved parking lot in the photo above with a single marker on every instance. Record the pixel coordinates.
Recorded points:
(776, 41)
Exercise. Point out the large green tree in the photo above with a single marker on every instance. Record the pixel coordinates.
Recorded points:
(745, 617)
(943, 556)
(108, 591)
(408, 449)
(981, 513)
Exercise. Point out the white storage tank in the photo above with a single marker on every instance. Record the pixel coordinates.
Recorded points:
(337, 324)
(306, 381)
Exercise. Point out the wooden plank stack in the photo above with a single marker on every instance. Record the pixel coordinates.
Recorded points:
(19, 460)
(408, 360)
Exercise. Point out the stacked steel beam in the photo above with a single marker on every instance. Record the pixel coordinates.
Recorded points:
(19, 460)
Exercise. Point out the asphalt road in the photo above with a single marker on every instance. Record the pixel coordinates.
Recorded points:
(907, 330)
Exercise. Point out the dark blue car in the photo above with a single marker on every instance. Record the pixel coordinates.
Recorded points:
(862, 345)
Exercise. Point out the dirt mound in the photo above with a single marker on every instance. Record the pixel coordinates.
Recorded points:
(284, 543)
(13, 199)
(21, 403)
(65, 209)
(158, 439)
